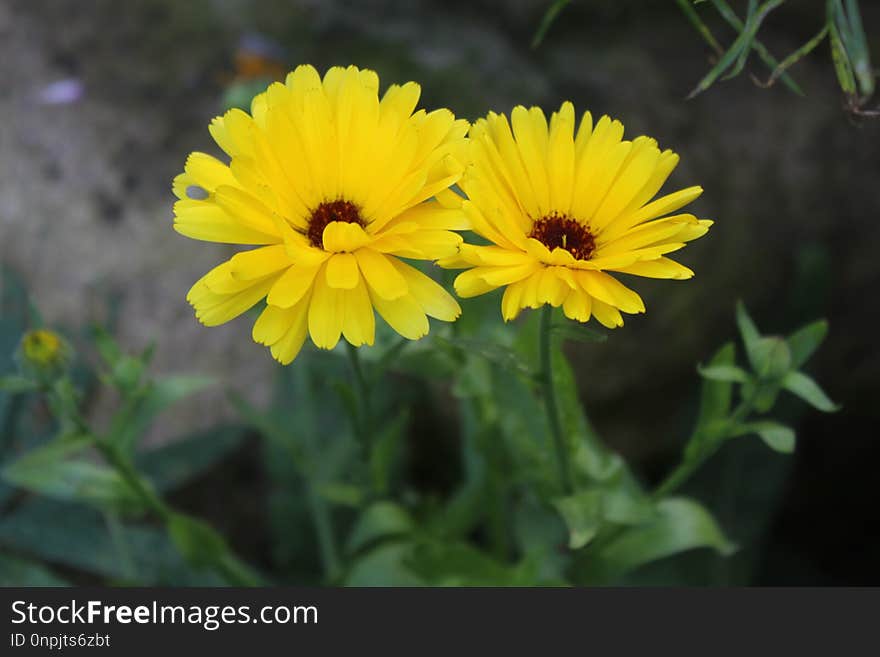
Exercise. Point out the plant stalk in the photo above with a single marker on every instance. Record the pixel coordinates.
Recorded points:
(364, 421)
(548, 391)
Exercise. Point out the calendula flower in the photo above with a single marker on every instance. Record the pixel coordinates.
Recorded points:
(43, 348)
(333, 186)
(561, 210)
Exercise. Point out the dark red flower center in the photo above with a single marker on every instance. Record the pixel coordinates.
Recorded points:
(328, 212)
(561, 231)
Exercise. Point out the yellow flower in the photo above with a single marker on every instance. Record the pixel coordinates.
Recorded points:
(562, 209)
(44, 349)
(334, 186)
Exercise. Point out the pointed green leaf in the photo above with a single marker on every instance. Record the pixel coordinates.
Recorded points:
(842, 65)
(578, 333)
(715, 396)
(681, 524)
(733, 20)
(804, 342)
(582, 515)
(777, 436)
(63, 470)
(729, 373)
(770, 358)
(17, 384)
(142, 406)
(804, 387)
(747, 330)
(547, 21)
(380, 520)
(585, 511)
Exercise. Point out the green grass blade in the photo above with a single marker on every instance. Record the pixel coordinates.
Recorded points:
(547, 21)
(699, 25)
(796, 56)
(751, 27)
(841, 61)
(856, 46)
(733, 20)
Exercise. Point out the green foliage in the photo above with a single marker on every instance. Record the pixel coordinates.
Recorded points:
(337, 462)
(681, 524)
(841, 24)
(65, 469)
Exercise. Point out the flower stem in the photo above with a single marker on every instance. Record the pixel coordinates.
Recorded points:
(324, 530)
(549, 393)
(363, 422)
(688, 467)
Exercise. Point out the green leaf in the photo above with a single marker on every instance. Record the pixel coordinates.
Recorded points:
(777, 436)
(460, 564)
(63, 470)
(804, 342)
(384, 566)
(380, 520)
(750, 27)
(183, 459)
(589, 455)
(747, 330)
(585, 512)
(15, 571)
(385, 450)
(681, 524)
(582, 515)
(804, 387)
(734, 21)
(770, 358)
(578, 333)
(548, 19)
(715, 396)
(142, 406)
(198, 542)
(494, 352)
(76, 537)
(796, 56)
(17, 384)
(699, 25)
(341, 494)
(725, 373)
(738, 49)
(842, 65)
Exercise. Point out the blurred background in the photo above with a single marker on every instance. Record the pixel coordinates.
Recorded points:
(102, 101)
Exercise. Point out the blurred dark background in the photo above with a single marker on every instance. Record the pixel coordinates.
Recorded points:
(101, 102)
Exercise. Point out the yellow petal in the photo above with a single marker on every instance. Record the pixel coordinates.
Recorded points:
(359, 324)
(342, 236)
(434, 300)
(326, 313)
(577, 305)
(213, 309)
(205, 220)
(249, 265)
(662, 206)
(531, 139)
(343, 272)
(471, 284)
(290, 343)
(245, 209)
(660, 268)
(292, 285)
(551, 288)
(404, 315)
(560, 158)
(511, 302)
(382, 277)
(609, 290)
(607, 315)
